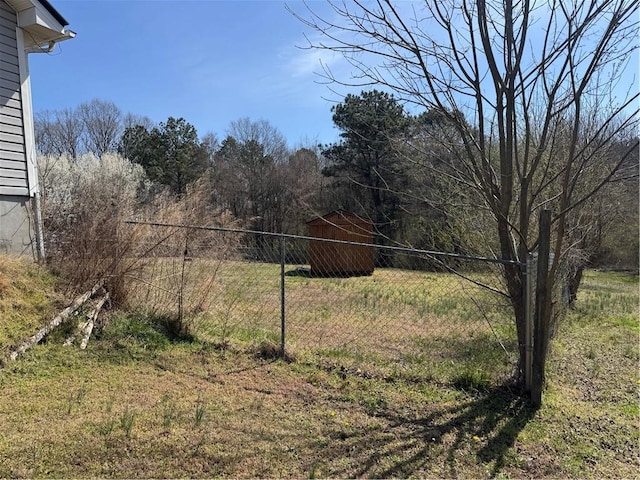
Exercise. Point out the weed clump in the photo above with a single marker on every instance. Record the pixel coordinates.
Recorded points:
(139, 336)
(472, 380)
(267, 350)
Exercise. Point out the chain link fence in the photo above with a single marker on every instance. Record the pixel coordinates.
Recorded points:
(368, 309)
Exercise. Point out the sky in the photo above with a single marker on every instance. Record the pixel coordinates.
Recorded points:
(211, 62)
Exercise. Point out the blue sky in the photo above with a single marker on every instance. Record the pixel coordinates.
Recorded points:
(210, 62)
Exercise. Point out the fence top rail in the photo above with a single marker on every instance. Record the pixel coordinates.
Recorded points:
(430, 253)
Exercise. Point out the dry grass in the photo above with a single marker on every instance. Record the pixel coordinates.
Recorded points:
(27, 300)
(262, 419)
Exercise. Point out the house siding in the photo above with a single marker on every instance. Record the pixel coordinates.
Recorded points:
(16, 224)
(13, 159)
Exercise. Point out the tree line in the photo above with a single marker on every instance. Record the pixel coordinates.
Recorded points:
(399, 170)
(252, 173)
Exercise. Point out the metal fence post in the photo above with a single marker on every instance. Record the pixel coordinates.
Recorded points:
(528, 318)
(283, 322)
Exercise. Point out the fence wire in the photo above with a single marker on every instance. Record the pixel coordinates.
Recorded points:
(368, 308)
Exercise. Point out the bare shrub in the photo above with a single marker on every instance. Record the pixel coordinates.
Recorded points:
(178, 260)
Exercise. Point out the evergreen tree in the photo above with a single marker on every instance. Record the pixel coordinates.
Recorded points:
(366, 161)
(171, 153)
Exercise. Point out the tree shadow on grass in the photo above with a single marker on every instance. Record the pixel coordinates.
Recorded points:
(447, 441)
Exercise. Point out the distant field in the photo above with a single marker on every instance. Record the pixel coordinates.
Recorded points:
(429, 324)
(135, 404)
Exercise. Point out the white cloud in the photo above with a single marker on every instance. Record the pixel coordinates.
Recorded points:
(310, 62)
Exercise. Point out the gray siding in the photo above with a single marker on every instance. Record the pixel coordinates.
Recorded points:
(13, 163)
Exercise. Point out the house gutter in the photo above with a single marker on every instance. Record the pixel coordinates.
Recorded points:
(65, 35)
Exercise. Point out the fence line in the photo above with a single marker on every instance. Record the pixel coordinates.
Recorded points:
(432, 324)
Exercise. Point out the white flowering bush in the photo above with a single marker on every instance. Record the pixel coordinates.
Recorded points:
(84, 205)
(66, 184)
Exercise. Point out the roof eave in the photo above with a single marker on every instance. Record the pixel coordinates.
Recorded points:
(43, 24)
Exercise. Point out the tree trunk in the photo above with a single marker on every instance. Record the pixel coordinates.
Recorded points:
(516, 286)
(573, 285)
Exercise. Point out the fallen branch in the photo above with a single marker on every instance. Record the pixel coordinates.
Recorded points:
(93, 316)
(71, 338)
(61, 317)
(87, 325)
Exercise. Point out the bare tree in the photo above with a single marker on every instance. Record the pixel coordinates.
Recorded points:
(130, 120)
(301, 187)
(59, 132)
(262, 132)
(102, 123)
(68, 130)
(608, 214)
(46, 136)
(522, 83)
(210, 144)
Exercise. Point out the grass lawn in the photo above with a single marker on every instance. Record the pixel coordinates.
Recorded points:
(135, 404)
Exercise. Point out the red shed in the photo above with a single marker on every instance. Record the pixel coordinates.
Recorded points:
(329, 258)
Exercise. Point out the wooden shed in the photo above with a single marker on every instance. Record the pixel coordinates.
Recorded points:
(331, 258)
